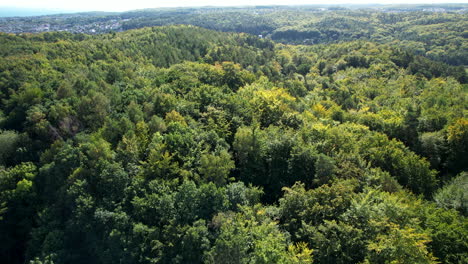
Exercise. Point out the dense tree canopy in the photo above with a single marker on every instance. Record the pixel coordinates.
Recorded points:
(179, 144)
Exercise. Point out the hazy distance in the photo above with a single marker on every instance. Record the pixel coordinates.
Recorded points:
(33, 7)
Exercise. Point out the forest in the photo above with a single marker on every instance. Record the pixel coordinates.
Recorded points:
(181, 144)
(439, 36)
(436, 31)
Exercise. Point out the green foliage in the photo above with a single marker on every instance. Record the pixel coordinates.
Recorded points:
(216, 168)
(183, 145)
(400, 246)
(454, 194)
(299, 207)
(18, 200)
(458, 142)
(335, 242)
(8, 141)
(252, 237)
(448, 232)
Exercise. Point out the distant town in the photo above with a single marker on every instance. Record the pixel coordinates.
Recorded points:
(102, 22)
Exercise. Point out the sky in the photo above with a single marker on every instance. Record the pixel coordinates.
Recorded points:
(124, 5)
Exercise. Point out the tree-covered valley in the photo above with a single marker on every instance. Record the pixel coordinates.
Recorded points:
(180, 144)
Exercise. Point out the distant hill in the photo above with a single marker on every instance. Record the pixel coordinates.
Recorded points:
(434, 31)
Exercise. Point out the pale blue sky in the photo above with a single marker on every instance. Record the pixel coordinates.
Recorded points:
(115, 5)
